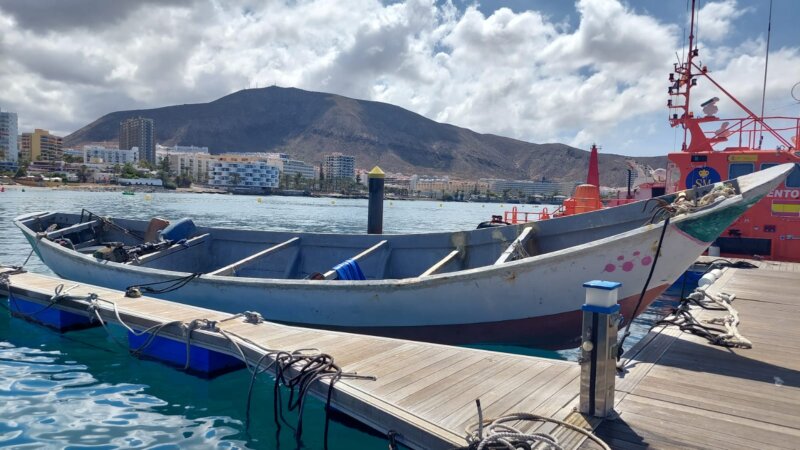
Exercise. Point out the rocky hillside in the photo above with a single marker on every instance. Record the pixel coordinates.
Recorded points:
(309, 124)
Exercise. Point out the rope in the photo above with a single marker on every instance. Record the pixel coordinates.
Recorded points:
(136, 290)
(496, 433)
(33, 248)
(683, 205)
(5, 279)
(620, 347)
(729, 336)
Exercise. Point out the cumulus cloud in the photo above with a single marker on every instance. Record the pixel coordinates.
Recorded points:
(519, 74)
(715, 19)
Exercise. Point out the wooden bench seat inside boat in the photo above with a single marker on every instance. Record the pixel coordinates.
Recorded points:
(436, 268)
(77, 228)
(517, 247)
(231, 269)
(332, 274)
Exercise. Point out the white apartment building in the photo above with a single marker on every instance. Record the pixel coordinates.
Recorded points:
(196, 165)
(97, 154)
(292, 167)
(181, 149)
(526, 187)
(243, 172)
(339, 166)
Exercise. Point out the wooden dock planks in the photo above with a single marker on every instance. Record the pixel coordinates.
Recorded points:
(682, 392)
(424, 392)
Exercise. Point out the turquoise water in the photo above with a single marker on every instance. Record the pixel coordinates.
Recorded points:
(80, 390)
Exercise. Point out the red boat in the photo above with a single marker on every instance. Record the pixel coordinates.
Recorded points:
(716, 149)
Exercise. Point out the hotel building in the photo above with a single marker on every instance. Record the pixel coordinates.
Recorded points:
(40, 146)
(139, 132)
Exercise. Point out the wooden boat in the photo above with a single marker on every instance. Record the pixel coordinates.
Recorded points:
(519, 284)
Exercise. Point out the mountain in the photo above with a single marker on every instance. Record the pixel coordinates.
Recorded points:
(307, 125)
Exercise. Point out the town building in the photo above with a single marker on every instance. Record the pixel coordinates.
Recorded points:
(243, 172)
(44, 167)
(73, 152)
(181, 149)
(139, 132)
(196, 165)
(41, 146)
(438, 187)
(339, 166)
(9, 151)
(199, 165)
(96, 154)
(525, 187)
(163, 151)
(292, 167)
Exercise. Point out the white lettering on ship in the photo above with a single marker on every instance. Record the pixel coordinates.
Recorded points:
(785, 193)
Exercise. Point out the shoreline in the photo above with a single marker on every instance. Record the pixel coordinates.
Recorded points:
(92, 187)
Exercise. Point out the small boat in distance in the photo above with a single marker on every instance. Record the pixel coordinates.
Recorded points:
(519, 284)
(128, 193)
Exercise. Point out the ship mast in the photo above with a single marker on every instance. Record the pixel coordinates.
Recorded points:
(681, 83)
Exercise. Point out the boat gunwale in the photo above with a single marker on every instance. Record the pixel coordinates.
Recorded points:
(487, 270)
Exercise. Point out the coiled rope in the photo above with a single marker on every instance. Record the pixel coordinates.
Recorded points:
(729, 336)
(498, 434)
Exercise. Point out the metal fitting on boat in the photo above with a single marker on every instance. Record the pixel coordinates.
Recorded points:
(133, 292)
(252, 317)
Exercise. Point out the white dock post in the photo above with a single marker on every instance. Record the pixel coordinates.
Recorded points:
(601, 320)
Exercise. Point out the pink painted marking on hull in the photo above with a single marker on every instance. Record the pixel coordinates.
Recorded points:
(555, 331)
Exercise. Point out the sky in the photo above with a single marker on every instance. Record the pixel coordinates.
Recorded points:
(536, 70)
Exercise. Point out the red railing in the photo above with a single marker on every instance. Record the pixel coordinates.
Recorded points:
(516, 216)
(749, 130)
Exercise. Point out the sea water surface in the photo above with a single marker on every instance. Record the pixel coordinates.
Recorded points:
(81, 390)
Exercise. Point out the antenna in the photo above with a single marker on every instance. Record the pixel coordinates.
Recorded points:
(766, 66)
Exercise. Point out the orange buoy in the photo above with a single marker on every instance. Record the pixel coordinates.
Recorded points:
(587, 198)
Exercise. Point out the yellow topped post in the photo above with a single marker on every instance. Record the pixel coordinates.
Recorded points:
(375, 209)
(376, 172)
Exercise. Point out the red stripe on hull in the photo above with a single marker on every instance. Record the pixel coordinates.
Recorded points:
(555, 331)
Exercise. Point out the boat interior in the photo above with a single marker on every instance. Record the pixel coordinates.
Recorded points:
(155, 244)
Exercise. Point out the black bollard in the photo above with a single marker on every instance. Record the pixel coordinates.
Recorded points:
(375, 212)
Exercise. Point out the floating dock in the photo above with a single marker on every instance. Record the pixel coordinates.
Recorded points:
(679, 391)
(424, 393)
(682, 392)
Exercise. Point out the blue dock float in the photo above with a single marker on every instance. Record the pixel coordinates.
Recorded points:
(201, 361)
(54, 318)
